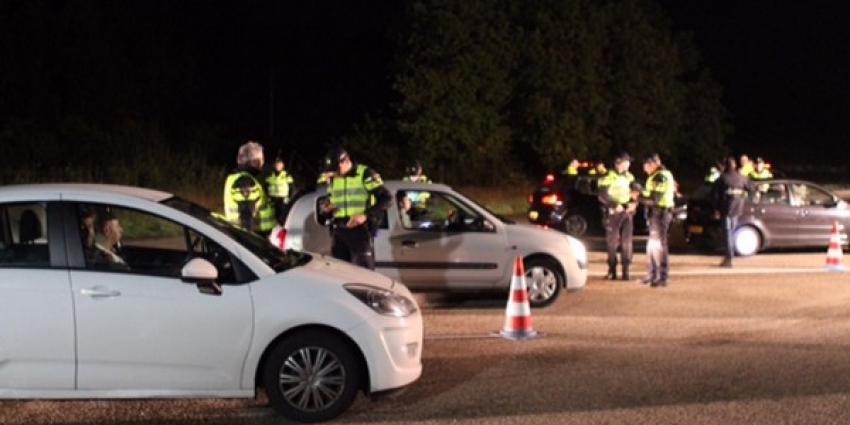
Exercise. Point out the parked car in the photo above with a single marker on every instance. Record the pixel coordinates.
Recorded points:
(451, 243)
(186, 306)
(779, 214)
(570, 203)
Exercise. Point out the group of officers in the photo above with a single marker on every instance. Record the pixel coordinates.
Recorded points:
(619, 195)
(258, 200)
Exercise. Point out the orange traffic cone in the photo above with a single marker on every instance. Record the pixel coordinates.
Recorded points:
(834, 254)
(518, 312)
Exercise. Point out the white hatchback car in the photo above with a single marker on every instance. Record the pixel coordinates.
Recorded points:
(435, 239)
(186, 305)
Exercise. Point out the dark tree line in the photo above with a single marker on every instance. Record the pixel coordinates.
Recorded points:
(487, 85)
(160, 93)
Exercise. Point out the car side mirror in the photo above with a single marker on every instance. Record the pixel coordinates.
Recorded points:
(203, 274)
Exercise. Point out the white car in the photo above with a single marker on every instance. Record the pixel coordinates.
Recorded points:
(186, 306)
(448, 242)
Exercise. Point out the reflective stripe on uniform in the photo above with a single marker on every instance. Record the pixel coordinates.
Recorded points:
(619, 186)
(667, 188)
(350, 194)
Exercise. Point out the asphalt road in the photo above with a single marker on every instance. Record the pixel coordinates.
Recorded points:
(767, 342)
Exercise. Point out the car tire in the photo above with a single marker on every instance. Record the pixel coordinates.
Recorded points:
(747, 241)
(544, 280)
(575, 225)
(327, 363)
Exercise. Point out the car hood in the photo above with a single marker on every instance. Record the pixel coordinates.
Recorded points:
(332, 270)
(538, 235)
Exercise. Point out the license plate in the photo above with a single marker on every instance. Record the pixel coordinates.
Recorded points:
(696, 230)
(533, 215)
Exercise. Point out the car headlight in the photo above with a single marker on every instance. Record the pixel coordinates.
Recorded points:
(578, 250)
(383, 301)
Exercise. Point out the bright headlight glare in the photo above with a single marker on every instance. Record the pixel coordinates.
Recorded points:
(383, 301)
(578, 249)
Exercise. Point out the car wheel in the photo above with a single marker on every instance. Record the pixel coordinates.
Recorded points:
(575, 225)
(544, 281)
(312, 376)
(747, 241)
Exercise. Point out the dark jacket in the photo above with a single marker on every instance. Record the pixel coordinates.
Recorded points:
(730, 192)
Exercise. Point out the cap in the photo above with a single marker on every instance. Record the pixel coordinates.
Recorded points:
(622, 156)
(334, 157)
(249, 151)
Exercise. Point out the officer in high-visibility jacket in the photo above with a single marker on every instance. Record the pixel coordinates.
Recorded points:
(659, 197)
(246, 201)
(572, 168)
(356, 206)
(280, 186)
(745, 166)
(414, 173)
(760, 172)
(618, 204)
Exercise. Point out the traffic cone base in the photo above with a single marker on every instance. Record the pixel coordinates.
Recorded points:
(518, 323)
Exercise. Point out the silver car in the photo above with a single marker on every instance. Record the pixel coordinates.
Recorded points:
(433, 238)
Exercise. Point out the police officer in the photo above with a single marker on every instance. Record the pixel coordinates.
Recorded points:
(358, 200)
(615, 195)
(572, 168)
(729, 193)
(280, 186)
(246, 201)
(414, 173)
(760, 172)
(745, 166)
(659, 197)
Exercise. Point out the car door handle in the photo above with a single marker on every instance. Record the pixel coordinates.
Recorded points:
(98, 292)
(409, 244)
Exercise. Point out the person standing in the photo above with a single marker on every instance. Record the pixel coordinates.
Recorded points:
(280, 186)
(615, 195)
(729, 193)
(659, 197)
(356, 206)
(246, 201)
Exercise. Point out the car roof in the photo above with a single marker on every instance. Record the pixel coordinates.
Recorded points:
(87, 188)
(394, 185)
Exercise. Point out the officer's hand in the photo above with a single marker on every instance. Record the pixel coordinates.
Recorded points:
(356, 220)
(631, 208)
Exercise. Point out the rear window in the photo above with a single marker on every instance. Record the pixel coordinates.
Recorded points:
(23, 237)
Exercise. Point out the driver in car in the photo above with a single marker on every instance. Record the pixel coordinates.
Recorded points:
(108, 249)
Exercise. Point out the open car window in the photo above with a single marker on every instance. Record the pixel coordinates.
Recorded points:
(771, 194)
(438, 212)
(807, 195)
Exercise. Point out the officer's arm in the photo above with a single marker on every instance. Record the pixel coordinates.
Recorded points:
(382, 196)
(602, 188)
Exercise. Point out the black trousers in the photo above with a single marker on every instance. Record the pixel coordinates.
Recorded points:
(657, 250)
(619, 229)
(354, 245)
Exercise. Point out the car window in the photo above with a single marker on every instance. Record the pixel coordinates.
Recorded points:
(807, 195)
(587, 185)
(23, 238)
(437, 211)
(122, 239)
(771, 194)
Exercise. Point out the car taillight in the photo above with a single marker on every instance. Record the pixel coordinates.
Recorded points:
(550, 199)
(550, 178)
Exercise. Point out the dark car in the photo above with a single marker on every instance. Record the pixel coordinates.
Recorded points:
(570, 204)
(778, 214)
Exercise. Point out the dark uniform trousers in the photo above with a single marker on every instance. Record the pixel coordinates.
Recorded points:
(353, 245)
(619, 228)
(656, 246)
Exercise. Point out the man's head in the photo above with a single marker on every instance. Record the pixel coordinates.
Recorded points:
(729, 164)
(338, 161)
(745, 160)
(760, 164)
(111, 229)
(250, 155)
(622, 162)
(651, 164)
(414, 169)
(574, 163)
(278, 162)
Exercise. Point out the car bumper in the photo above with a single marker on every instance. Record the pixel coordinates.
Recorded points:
(392, 348)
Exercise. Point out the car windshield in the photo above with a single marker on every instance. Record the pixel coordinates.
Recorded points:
(500, 217)
(276, 259)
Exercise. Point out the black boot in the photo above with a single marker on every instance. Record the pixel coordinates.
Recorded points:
(612, 272)
(625, 271)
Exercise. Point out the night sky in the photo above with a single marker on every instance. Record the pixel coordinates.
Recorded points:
(783, 65)
(785, 70)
